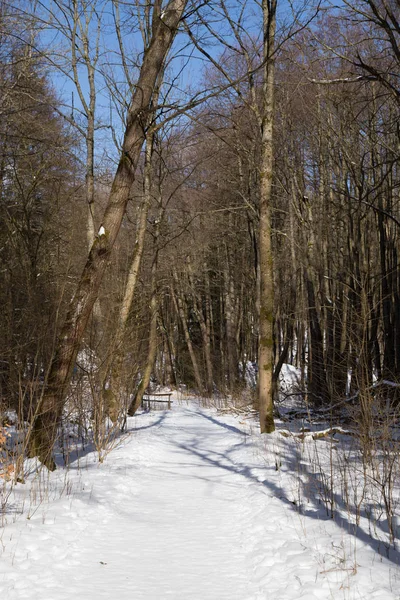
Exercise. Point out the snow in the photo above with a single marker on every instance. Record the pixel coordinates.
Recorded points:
(289, 379)
(189, 505)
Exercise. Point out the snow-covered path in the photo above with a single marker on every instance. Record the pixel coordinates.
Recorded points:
(192, 524)
(166, 517)
(180, 510)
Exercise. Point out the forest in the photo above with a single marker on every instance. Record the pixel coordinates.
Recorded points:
(194, 194)
(199, 299)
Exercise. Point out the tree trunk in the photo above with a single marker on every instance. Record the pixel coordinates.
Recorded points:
(181, 310)
(230, 328)
(152, 351)
(116, 351)
(204, 328)
(265, 351)
(91, 229)
(43, 433)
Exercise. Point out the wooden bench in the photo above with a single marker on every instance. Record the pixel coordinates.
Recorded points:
(157, 398)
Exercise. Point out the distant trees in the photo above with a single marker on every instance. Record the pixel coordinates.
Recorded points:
(338, 171)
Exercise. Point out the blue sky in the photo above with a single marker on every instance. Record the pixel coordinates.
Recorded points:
(187, 69)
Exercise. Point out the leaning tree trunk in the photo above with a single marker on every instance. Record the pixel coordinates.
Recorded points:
(265, 350)
(44, 427)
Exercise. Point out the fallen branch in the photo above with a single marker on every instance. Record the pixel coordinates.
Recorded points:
(315, 435)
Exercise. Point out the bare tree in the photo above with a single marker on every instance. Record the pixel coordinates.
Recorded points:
(381, 60)
(164, 28)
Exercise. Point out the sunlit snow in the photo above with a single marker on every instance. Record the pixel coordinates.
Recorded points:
(190, 505)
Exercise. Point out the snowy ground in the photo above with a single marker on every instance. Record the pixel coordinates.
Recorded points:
(191, 505)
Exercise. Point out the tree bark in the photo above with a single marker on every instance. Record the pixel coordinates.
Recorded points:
(181, 309)
(204, 328)
(116, 351)
(265, 350)
(152, 351)
(230, 328)
(44, 428)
